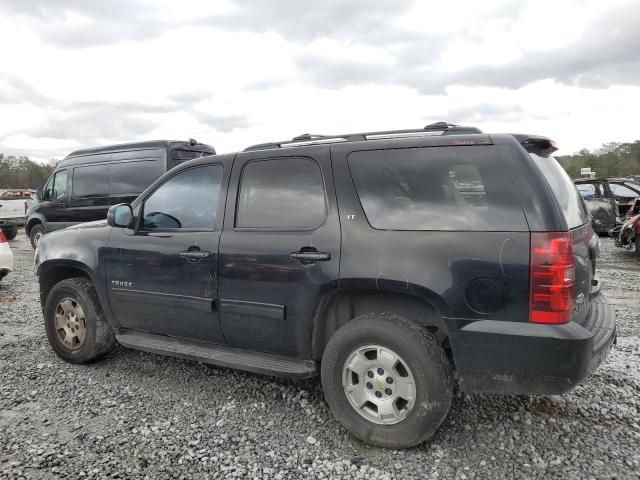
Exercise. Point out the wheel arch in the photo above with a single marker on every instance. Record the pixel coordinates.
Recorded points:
(339, 307)
(54, 271)
(35, 220)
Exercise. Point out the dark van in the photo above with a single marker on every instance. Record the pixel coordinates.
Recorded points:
(87, 182)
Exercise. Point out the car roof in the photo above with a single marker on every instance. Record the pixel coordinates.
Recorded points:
(306, 139)
(136, 146)
(603, 179)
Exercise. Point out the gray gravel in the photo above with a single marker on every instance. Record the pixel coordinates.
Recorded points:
(137, 415)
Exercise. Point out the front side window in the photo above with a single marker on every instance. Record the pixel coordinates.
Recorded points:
(58, 187)
(188, 200)
(282, 193)
(436, 188)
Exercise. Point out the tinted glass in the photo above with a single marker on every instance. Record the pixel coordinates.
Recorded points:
(436, 188)
(621, 190)
(187, 200)
(179, 156)
(281, 193)
(133, 177)
(59, 186)
(91, 181)
(565, 191)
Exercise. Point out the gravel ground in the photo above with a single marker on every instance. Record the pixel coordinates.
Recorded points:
(137, 415)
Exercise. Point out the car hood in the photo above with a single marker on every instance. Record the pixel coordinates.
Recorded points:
(95, 224)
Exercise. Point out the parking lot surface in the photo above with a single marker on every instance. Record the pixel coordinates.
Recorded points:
(138, 415)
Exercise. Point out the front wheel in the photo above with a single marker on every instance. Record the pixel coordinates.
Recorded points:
(75, 324)
(387, 380)
(35, 234)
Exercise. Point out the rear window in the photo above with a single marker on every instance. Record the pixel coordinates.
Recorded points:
(436, 188)
(564, 189)
(179, 155)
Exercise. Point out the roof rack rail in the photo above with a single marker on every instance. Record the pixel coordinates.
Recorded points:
(438, 128)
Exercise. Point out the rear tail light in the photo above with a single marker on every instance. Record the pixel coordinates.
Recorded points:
(552, 282)
(3, 239)
(26, 207)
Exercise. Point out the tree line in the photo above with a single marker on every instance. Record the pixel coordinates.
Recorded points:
(21, 172)
(610, 160)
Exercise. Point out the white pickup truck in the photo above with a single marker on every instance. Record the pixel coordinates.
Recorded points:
(13, 210)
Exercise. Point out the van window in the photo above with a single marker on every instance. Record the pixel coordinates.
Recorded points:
(133, 177)
(179, 156)
(115, 178)
(436, 188)
(567, 195)
(57, 188)
(283, 193)
(91, 181)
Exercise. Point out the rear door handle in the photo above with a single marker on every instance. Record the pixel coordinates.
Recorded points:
(310, 257)
(193, 256)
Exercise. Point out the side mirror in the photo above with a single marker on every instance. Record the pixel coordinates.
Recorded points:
(39, 194)
(120, 215)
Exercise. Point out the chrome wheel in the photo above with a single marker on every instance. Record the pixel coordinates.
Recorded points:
(71, 324)
(379, 384)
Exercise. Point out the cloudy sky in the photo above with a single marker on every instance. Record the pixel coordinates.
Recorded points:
(78, 73)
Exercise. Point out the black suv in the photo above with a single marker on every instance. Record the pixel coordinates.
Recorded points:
(389, 263)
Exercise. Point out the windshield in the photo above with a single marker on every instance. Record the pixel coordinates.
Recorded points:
(565, 191)
(625, 190)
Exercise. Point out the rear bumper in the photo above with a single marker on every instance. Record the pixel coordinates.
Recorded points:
(7, 222)
(525, 358)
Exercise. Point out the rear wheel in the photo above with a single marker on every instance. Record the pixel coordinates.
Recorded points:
(35, 234)
(10, 232)
(76, 326)
(387, 380)
(637, 245)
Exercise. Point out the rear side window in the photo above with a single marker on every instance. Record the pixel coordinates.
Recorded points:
(91, 181)
(564, 189)
(105, 179)
(282, 193)
(133, 177)
(436, 188)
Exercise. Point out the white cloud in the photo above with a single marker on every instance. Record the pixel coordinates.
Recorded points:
(82, 73)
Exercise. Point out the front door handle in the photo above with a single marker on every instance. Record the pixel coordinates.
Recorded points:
(193, 256)
(311, 257)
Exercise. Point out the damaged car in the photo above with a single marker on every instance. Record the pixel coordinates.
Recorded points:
(608, 200)
(628, 234)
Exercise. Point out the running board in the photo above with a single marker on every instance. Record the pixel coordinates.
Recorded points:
(220, 355)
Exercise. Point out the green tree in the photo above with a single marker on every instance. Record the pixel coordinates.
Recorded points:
(21, 172)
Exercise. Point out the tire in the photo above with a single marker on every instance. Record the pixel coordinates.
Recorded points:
(425, 362)
(96, 336)
(35, 234)
(637, 246)
(10, 232)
